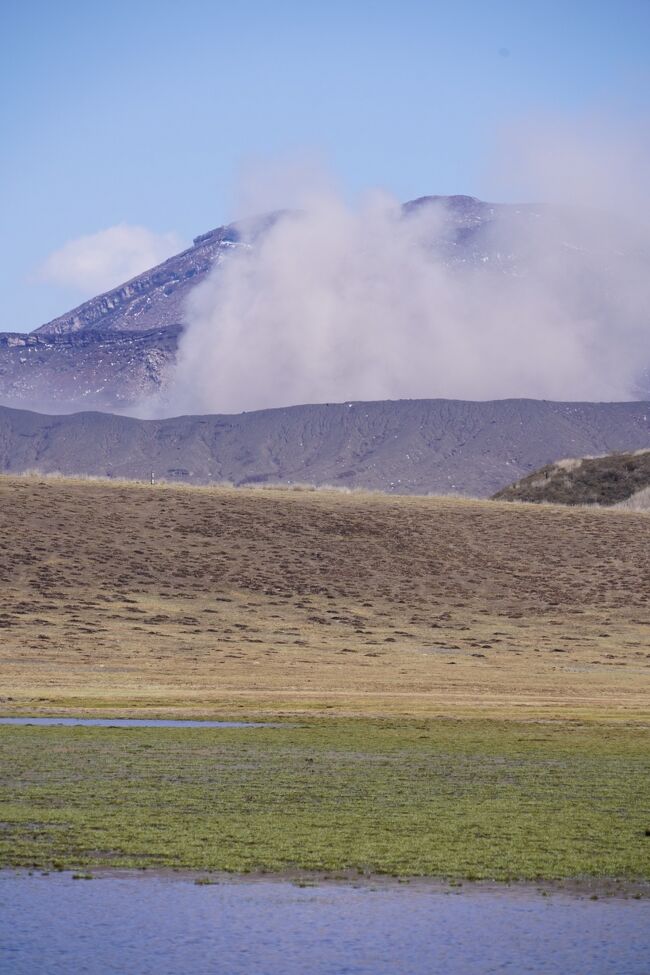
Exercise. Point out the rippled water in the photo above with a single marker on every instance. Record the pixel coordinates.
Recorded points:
(146, 925)
(132, 723)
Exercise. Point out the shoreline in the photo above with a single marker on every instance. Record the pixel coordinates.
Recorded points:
(580, 888)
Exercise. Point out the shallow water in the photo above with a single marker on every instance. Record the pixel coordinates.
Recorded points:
(131, 723)
(148, 925)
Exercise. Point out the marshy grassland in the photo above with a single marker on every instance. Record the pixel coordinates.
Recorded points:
(459, 799)
(464, 685)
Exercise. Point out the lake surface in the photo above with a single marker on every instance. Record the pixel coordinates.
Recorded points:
(133, 723)
(149, 925)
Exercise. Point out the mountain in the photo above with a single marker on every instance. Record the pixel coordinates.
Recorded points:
(117, 349)
(613, 479)
(156, 298)
(402, 447)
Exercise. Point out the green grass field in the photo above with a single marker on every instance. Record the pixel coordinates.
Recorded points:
(455, 799)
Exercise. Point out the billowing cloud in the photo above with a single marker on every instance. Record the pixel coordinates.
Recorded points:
(337, 303)
(100, 261)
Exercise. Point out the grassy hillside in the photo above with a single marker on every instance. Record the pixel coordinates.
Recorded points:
(175, 600)
(609, 480)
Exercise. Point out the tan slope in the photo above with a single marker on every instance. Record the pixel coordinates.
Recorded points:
(190, 600)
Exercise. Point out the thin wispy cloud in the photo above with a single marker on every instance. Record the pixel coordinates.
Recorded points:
(101, 261)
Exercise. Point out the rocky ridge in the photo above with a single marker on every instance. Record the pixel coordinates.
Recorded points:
(402, 447)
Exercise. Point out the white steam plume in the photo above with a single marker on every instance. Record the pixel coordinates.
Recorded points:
(335, 303)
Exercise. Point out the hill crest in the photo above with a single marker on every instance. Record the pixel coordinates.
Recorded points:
(401, 447)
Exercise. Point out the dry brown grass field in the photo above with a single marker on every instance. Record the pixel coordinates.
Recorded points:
(189, 601)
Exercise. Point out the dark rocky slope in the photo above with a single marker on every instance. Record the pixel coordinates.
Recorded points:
(93, 368)
(408, 446)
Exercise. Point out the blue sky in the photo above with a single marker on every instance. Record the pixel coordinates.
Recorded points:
(144, 113)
